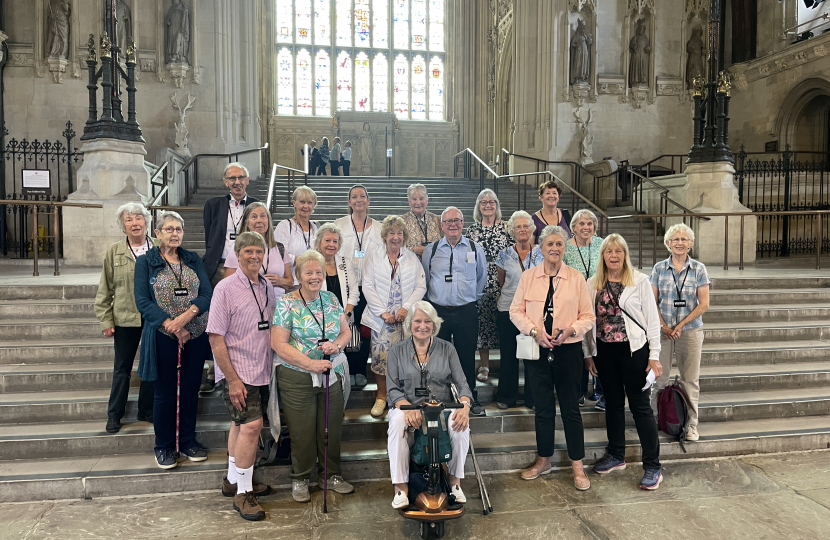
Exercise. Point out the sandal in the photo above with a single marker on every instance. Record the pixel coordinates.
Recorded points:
(582, 483)
(483, 374)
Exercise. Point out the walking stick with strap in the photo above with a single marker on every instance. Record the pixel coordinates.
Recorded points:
(178, 395)
(326, 443)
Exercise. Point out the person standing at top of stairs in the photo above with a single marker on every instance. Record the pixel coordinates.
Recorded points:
(334, 157)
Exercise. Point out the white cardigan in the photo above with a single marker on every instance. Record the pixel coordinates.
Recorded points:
(370, 240)
(640, 303)
(377, 280)
(348, 281)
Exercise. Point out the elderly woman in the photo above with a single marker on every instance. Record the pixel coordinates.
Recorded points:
(582, 253)
(309, 325)
(341, 279)
(681, 287)
(511, 263)
(553, 306)
(394, 280)
(257, 218)
(626, 343)
(296, 234)
(490, 232)
(173, 292)
(424, 227)
(120, 319)
(425, 361)
(549, 194)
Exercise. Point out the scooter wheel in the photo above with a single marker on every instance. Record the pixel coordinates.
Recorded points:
(425, 533)
(439, 529)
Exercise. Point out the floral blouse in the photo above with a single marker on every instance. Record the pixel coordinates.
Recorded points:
(610, 323)
(585, 259)
(163, 287)
(416, 229)
(297, 318)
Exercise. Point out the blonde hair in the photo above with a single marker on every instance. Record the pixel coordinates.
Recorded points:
(248, 239)
(429, 311)
(393, 222)
(601, 277)
(310, 256)
(243, 225)
(304, 191)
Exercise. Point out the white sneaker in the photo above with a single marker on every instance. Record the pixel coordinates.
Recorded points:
(692, 434)
(299, 490)
(459, 495)
(401, 500)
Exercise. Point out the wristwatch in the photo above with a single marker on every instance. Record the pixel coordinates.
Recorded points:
(194, 310)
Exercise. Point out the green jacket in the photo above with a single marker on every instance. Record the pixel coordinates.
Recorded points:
(115, 301)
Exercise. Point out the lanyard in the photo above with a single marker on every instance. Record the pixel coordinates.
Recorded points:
(422, 224)
(422, 366)
(261, 310)
(516, 249)
(394, 265)
(234, 221)
(611, 293)
(360, 238)
(147, 238)
(181, 271)
(322, 312)
(680, 288)
(267, 262)
(587, 267)
(302, 231)
(551, 291)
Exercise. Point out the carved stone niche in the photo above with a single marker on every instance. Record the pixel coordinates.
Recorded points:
(669, 86)
(611, 84)
(639, 30)
(579, 72)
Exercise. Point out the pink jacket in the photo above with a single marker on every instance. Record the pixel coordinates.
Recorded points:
(571, 302)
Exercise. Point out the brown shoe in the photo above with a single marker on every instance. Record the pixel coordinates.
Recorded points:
(533, 472)
(248, 507)
(581, 482)
(229, 490)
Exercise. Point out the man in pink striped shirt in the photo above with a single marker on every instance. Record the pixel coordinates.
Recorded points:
(239, 326)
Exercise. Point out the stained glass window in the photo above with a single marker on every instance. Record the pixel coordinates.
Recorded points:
(322, 22)
(304, 83)
(401, 81)
(380, 82)
(380, 23)
(344, 22)
(361, 23)
(419, 24)
(401, 30)
(436, 25)
(285, 21)
(419, 88)
(285, 81)
(436, 88)
(303, 10)
(362, 82)
(344, 82)
(322, 90)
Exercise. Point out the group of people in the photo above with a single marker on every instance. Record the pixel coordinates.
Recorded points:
(336, 156)
(291, 314)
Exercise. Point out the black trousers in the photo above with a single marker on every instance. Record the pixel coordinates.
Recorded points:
(597, 383)
(562, 374)
(623, 373)
(321, 169)
(508, 389)
(460, 327)
(127, 339)
(347, 163)
(335, 168)
(358, 359)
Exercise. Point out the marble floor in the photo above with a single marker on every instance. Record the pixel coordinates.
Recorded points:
(767, 496)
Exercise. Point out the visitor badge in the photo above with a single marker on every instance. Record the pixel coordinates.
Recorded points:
(421, 392)
(180, 291)
(262, 325)
(471, 257)
(448, 278)
(359, 254)
(679, 303)
(232, 236)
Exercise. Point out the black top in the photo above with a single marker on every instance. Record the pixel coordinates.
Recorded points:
(215, 217)
(333, 286)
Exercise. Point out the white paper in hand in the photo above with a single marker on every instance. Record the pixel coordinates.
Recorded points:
(649, 379)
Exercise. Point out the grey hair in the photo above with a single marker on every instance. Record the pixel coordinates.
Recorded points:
(235, 164)
(248, 239)
(676, 228)
(304, 191)
(585, 213)
(132, 208)
(307, 258)
(165, 216)
(554, 230)
(477, 210)
(416, 187)
(327, 228)
(519, 214)
(429, 311)
(449, 209)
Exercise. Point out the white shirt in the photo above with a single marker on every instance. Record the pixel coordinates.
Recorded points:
(347, 153)
(354, 242)
(295, 240)
(140, 250)
(235, 211)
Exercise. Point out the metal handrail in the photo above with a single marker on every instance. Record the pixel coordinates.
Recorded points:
(188, 189)
(158, 171)
(560, 182)
(663, 193)
(161, 194)
(554, 162)
(271, 187)
(467, 150)
(228, 155)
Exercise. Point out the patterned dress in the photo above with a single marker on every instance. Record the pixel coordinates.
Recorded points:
(431, 223)
(493, 241)
(389, 333)
(163, 285)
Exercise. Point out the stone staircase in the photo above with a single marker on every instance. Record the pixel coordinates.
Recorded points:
(764, 382)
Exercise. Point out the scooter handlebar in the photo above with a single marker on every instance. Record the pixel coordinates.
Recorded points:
(425, 404)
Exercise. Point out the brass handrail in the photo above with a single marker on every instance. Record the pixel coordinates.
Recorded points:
(663, 193)
(561, 183)
(228, 155)
(467, 150)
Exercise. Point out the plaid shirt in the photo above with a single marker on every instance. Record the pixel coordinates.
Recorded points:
(689, 280)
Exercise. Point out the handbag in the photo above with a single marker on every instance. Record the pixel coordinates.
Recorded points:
(355, 340)
(420, 447)
(526, 348)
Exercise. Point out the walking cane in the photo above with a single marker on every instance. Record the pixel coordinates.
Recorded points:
(178, 395)
(482, 489)
(326, 443)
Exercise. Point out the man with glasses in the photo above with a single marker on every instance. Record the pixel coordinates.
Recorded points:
(222, 219)
(456, 271)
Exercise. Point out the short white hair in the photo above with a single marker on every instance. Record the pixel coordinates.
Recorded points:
(678, 228)
(327, 228)
(416, 187)
(519, 214)
(552, 230)
(584, 213)
(450, 209)
(235, 164)
(477, 210)
(166, 216)
(135, 209)
(429, 311)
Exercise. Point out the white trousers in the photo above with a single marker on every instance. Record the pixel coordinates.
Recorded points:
(399, 449)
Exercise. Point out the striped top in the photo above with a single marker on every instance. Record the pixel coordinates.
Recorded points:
(235, 315)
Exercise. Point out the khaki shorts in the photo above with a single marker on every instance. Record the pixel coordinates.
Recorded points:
(255, 403)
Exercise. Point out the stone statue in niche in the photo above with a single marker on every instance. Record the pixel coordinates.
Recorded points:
(366, 149)
(58, 21)
(580, 68)
(696, 50)
(586, 145)
(640, 49)
(124, 16)
(181, 129)
(177, 33)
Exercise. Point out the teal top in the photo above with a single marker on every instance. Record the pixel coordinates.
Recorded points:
(585, 259)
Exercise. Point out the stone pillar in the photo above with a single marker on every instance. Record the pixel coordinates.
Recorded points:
(711, 188)
(109, 175)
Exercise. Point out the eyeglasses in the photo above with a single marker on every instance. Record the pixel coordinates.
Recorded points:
(235, 178)
(488, 203)
(171, 230)
(453, 221)
(680, 240)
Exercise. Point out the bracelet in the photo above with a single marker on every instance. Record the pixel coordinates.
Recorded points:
(533, 332)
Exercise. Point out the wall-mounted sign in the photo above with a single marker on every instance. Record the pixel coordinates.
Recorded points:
(388, 152)
(36, 182)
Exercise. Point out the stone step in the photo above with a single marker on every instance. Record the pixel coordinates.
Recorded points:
(100, 475)
(741, 332)
(750, 297)
(47, 292)
(37, 309)
(798, 279)
(766, 312)
(764, 352)
(50, 329)
(59, 377)
(50, 351)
